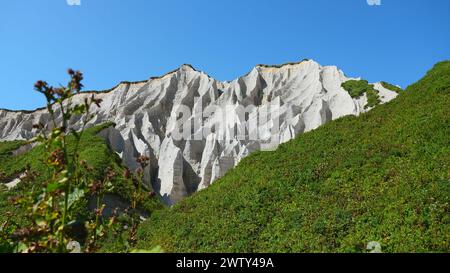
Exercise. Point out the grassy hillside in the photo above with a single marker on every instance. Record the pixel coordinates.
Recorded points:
(94, 151)
(7, 147)
(383, 176)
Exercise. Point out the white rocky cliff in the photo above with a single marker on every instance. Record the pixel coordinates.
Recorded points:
(298, 97)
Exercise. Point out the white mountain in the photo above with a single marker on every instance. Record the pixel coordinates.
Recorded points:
(298, 98)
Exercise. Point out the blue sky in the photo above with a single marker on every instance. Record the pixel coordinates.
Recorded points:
(115, 40)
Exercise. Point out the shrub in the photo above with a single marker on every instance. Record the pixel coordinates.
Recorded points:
(391, 87)
(358, 88)
(373, 98)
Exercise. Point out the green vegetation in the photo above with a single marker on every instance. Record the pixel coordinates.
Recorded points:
(358, 88)
(93, 150)
(391, 87)
(59, 204)
(383, 176)
(7, 147)
(373, 99)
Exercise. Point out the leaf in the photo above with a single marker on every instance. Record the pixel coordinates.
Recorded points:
(56, 132)
(79, 109)
(75, 196)
(41, 223)
(100, 231)
(52, 187)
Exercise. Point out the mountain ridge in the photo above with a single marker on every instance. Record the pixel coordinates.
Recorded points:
(160, 77)
(305, 94)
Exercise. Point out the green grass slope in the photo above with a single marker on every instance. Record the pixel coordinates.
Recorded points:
(93, 149)
(383, 176)
(7, 147)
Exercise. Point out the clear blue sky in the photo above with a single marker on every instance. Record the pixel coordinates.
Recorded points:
(115, 40)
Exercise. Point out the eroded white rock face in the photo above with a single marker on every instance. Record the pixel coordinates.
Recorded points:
(147, 117)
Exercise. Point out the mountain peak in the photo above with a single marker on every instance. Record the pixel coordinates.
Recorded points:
(285, 64)
(187, 67)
